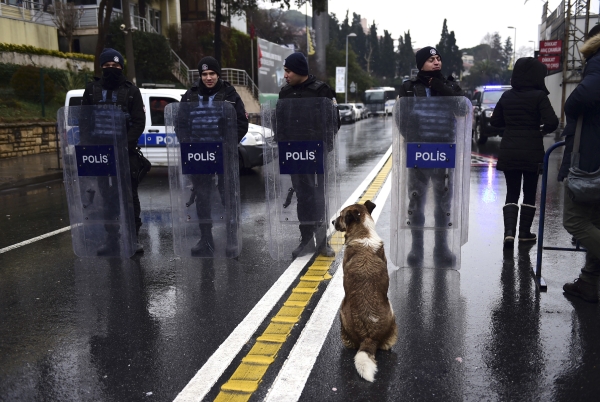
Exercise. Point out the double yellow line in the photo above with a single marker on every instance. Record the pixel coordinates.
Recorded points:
(247, 377)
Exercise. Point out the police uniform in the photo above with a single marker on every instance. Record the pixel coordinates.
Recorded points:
(429, 123)
(223, 91)
(309, 188)
(116, 90)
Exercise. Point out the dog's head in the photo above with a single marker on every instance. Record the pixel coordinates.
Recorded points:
(353, 215)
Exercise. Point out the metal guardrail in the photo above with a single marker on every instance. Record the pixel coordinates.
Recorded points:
(181, 70)
(234, 77)
(27, 10)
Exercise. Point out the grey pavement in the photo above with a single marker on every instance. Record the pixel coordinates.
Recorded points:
(22, 171)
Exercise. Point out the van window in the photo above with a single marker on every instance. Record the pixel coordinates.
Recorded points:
(75, 101)
(157, 109)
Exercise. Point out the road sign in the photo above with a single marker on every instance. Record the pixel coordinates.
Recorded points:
(550, 47)
(353, 87)
(552, 62)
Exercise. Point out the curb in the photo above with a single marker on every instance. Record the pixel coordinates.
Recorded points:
(54, 176)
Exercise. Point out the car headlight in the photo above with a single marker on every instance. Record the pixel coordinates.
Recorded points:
(488, 112)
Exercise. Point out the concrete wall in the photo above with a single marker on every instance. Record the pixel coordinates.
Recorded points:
(25, 59)
(19, 139)
(28, 33)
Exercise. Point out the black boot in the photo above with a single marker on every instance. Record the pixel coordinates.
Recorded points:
(306, 240)
(527, 214)
(511, 214)
(415, 255)
(205, 246)
(321, 237)
(443, 257)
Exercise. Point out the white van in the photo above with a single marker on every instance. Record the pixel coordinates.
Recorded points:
(152, 141)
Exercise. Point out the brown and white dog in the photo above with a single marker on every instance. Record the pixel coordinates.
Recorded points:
(367, 318)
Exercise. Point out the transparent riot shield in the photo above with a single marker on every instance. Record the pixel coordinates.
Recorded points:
(97, 180)
(301, 183)
(430, 186)
(204, 178)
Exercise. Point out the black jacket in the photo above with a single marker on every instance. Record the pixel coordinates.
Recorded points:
(442, 87)
(225, 93)
(521, 111)
(585, 99)
(134, 106)
(311, 88)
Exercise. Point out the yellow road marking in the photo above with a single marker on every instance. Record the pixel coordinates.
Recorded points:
(247, 377)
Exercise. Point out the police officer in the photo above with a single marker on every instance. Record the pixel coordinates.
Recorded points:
(211, 88)
(430, 82)
(113, 89)
(310, 195)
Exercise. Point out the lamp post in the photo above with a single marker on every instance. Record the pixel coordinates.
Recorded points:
(515, 46)
(351, 35)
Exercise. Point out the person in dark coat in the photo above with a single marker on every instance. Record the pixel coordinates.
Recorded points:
(114, 89)
(309, 190)
(526, 115)
(211, 88)
(583, 221)
(430, 82)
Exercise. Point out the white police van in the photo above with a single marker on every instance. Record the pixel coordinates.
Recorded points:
(152, 141)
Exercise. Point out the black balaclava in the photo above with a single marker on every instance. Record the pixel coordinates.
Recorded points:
(112, 77)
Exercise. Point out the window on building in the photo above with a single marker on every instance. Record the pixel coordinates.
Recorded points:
(192, 10)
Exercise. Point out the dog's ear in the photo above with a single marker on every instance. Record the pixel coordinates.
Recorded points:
(370, 206)
(351, 216)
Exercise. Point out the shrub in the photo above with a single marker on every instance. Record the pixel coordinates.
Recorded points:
(6, 73)
(9, 47)
(25, 83)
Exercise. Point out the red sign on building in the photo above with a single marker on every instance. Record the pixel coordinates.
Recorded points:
(552, 62)
(550, 46)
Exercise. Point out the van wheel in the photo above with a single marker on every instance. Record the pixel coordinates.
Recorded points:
(480, 139)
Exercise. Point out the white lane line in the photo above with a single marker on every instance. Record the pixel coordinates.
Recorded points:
(212, 370)
(26, 242)
(290, 381)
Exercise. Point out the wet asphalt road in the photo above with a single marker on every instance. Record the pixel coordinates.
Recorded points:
(140, 329)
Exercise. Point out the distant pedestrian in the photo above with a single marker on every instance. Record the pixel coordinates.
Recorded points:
(583, 221)
(526, 115)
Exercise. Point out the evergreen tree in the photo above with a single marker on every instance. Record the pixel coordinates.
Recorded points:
(372, 55)
(359, 43)
(452, 57)
(507, 53)
(387, 60)
(406, 55)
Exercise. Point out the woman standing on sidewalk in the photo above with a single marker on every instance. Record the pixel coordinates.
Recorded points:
(526, 115)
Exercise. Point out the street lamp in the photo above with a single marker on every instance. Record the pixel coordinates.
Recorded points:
(350, 35)
(515, 46)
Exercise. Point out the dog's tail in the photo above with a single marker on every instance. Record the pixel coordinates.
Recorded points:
(365, 360)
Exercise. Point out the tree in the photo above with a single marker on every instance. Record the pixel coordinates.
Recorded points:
(104, 13)
(452, 57)
(66, 16)
(372, 54)
(507, 52)
(387, 59)
(406, 55)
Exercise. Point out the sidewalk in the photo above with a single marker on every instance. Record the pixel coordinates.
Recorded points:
(26, 170)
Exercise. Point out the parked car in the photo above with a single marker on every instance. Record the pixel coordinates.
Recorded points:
(153, 140)
(484, 101)
(348, 113)
(364, 112)
(389, 106)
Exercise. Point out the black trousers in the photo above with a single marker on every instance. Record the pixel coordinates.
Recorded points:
(310, 196)
(442, 186)
(112, 207)
(513, 186)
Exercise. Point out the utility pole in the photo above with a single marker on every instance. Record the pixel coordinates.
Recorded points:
(321, 27)
(129, 42)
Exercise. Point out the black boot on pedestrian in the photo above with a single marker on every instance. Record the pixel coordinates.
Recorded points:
(206, 245)
(443, 257)
(321, 239)
(579, 288)
(415, 255)
(527, 214)
(511, 215)
(306, 245)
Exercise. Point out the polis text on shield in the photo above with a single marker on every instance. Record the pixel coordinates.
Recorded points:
(431, 156)
(202, 157)
(95, 158)
(300, 156)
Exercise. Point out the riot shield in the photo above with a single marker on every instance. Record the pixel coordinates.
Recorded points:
(430, 186)
(204, 178)
(301, 183)
(97, 180)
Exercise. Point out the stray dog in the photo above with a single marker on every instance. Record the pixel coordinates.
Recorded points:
(367, 318)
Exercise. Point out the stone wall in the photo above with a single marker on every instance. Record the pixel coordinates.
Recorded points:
(19, 139)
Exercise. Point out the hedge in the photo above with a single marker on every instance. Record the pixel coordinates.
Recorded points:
(8, 47)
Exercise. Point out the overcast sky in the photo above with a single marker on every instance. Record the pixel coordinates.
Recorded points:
(469, 19)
